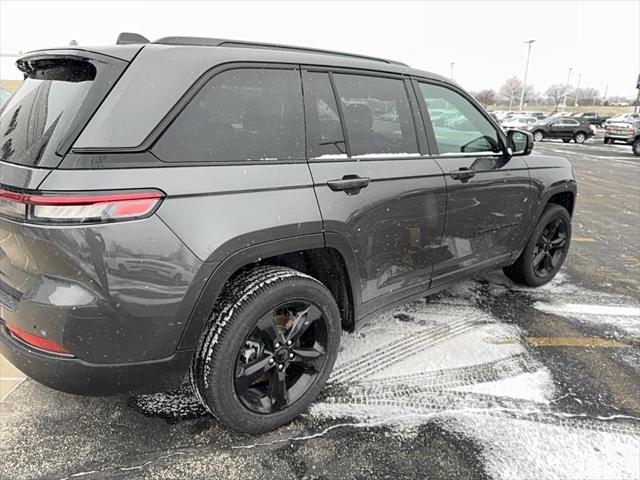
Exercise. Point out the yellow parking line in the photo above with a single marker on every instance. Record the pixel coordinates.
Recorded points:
(582, 239)
(575, 342)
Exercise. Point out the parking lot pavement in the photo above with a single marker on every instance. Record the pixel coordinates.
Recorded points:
(485, 380)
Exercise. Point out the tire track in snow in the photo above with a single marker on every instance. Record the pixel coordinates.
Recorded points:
(460, 376)
(452, 403)
(404, 347)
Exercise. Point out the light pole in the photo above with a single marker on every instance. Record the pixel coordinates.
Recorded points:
(578, 90)
(451, 74)
(566, 90)
(526, 71)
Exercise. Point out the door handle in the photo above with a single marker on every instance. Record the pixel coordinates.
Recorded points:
(463, 174)
(351, 184)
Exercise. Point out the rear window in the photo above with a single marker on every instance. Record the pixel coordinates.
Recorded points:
(38, 116)
(240, 115)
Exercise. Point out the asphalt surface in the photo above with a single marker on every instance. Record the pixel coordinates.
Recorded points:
(485, 380)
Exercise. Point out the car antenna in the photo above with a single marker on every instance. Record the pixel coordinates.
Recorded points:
(128, 38)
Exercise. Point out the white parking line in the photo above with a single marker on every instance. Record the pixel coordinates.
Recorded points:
(12, 389)
(588, 309)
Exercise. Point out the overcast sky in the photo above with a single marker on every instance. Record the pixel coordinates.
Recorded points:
(485, 39)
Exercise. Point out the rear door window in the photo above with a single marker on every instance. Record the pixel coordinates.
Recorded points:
(46, 108)
(240, 115)
(377, 115)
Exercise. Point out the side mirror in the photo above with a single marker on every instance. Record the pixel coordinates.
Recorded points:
(519, 142)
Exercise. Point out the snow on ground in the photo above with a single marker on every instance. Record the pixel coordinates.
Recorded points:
(520, 448)
(448, 361)
(445, 359)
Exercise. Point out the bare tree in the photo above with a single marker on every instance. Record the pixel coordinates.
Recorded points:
(510, 90)
(555, 93)
(486, 97)
(588, 96)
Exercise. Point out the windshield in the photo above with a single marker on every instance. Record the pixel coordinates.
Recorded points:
(38, 116)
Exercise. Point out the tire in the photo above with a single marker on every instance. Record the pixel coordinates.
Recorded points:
(580, 137)
(538, 135)
(636, 147)
(566, 140)
(243, 336)
(606, 140)
(526, 269)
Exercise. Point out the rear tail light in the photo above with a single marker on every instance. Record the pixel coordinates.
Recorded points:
(95, 207)
(37, 341)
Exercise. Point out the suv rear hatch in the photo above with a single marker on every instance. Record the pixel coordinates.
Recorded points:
(60, 92)
(38, 125)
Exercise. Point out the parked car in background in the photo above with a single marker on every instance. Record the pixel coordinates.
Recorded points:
(222, 210)
(538, 115)
(502, 115)
(564, 128)
(592, 117)
(4, 96)
(625, 132)
(623, 117)
(519, 121)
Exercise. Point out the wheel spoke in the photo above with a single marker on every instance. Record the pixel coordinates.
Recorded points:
(309, 357)
(538, 258)
(555, 258)
(302, 322)
(251, 373)
(559, 242)
(269, 332)
(278, 393)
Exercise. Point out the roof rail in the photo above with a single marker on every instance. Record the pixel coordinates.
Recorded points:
(220, 42)
(127, 38)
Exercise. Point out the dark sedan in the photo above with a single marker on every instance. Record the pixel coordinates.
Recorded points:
(564, 128)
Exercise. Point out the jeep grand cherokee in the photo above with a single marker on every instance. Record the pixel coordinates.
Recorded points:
(220, 210)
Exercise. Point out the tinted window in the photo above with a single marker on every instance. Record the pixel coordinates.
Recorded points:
(37, 117)
(243, 114)
(458, 125)
(377, 115)
(324, 130)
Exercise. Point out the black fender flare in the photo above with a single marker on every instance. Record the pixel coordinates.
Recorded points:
(568, 185)
(217, 275)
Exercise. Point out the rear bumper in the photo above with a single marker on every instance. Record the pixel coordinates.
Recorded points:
(621, 137)
(73, 375)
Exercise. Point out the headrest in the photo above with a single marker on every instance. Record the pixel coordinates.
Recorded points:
(358, 117)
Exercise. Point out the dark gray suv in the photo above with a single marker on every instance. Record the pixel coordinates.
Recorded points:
(220, 211)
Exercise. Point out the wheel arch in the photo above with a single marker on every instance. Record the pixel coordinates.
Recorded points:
(329, 262)
(561, 193)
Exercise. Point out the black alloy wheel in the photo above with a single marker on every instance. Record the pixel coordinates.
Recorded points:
(546, 249)
(268, 348)
(281, 357)
(550, 248)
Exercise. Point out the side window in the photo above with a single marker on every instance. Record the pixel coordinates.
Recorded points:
(324, 129)
(242, 114)
(458, 125)
(377, 115)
